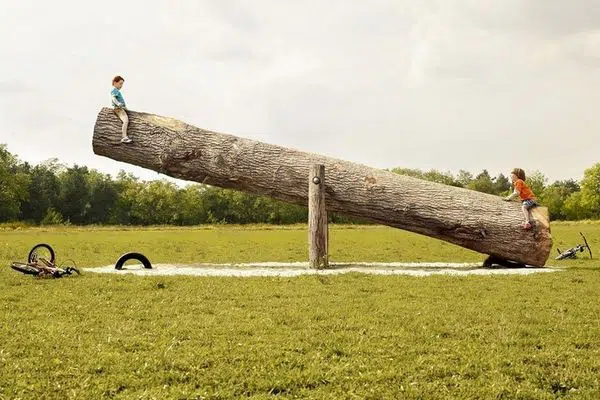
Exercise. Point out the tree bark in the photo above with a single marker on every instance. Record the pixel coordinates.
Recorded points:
(477, 221)
(317, 218)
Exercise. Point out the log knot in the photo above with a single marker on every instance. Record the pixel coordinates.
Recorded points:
(176, 153)
(370, 181)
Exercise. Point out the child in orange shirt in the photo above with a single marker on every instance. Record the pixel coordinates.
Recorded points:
(525, 194)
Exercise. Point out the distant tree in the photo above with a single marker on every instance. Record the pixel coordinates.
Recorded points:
(103, 198)
(590, 191)
(573, 208)
(74, 194)
(501, 185)
(415, 173)
(286, 213)
(464, 178)
(243, 207)
(278, 212)
(52, 217)
(555, 195)
(432, 175)
(43, 194)
(232, 206)
(52, 193)
(127, 187)
(537, 182)
(482, 183)
(570, 185)
(54, 165)
(445, 178)
(554, 198)
(191, 210)
(156, 203)
(14, 184)
(216, 205)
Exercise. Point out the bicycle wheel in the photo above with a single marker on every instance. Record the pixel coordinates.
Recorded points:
(25, 268)
(41, 250)
(133, 256)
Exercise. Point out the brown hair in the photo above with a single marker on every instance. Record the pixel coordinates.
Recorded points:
(519, 173)
(117, 78)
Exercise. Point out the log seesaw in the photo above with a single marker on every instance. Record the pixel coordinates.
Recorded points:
(474, 220)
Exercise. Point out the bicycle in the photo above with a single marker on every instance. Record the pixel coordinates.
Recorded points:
(572, 252)
(41, 267)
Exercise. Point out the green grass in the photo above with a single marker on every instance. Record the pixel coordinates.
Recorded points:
(351, 336)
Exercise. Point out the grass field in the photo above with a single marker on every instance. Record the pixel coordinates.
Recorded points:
(344, 337)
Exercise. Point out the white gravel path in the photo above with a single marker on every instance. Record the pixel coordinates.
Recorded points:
(301, 268)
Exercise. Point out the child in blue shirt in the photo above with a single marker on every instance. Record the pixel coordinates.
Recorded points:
(118, 102)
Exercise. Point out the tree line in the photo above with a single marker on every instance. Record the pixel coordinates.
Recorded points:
(53, 193)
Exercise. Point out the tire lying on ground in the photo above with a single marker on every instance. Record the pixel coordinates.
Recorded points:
(133, 256)
(492, 260)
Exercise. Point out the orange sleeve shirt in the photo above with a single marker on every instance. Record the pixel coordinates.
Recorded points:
(524, 191)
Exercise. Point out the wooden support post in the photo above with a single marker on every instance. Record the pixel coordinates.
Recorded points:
(317, 218)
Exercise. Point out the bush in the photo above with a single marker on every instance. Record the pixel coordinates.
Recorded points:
(53, 217)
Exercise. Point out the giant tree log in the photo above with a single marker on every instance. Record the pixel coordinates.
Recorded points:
(477, 221)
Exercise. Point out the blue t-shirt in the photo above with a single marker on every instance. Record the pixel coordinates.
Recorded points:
(116, 94)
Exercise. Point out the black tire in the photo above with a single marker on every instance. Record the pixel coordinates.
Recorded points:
(33, 252)
(488, 262)
(133, 256)
(25, 269)
(493, 260)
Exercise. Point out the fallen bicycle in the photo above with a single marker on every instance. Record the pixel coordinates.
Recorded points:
(572, 252)
(42, 267)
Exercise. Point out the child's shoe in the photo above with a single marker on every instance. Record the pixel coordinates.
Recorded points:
(126, 139)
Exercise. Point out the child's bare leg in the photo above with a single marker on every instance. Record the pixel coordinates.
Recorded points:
(526, 213)
(526, 207)
(123, 116)
(125, 124)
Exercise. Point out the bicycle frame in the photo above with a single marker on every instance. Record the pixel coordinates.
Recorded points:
(43, 269)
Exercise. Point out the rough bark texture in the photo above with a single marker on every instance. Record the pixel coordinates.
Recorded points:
(474, 220)
(317, 217)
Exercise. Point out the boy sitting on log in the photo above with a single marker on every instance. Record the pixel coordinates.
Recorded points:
(118, 103)
(522, 190)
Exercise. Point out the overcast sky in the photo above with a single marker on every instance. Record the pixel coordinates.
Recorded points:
(445, 84)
